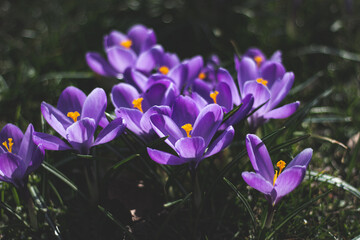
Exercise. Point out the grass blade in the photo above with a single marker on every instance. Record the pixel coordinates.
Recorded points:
(289, 143)
(243, 199)
(5, 206)
(294, 213)
(334, 181)
(312, 49)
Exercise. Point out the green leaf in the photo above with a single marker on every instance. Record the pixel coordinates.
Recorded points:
(294, 213)
(312, 49)
(243, 199)
(317, 176)
(112, 170)
(13, 212)
(232, 112)
(289, 143)
(169, 204)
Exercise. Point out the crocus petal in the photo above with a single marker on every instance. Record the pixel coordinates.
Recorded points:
(27, 146)
(282, 112)
(11, 131)
(136, 78)
(302, 159)
(114, 39)
(190, 148)
(165, 126)
(56, 119)
(224, 98)
(81, 134)
(148, 60)
(254, 52)
(8, 164)
(247, 104)
(276, 57)
(280, 89)
(95, 105)
(49, 142)
(224, 76)
(208, 122)
(171, 59)
(259, 157)
(260, 92)
(257, 181)
(71, 100)
(111, 131)
(123, 94)
(288, 181)
(145, 119)
(37, 158)
(184, 111)
(160, 93)
(272, 72)
(200, 102)
(246, 71)
(194, 67)
(202, 88)
(221, 142)
(142, 38)
(120, 58)
(99, 65)
(132, 119)
(165, 158)
(179, 75)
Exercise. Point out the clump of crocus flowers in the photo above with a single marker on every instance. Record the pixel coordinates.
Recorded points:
(191, 103)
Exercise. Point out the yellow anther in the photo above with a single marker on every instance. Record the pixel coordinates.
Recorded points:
(164, 70)
(258, 60)
(202, 75)
(126, 43)
(281, 165)
(262, 81)
(275, 177)
(137, 103)
(213, 95)
(73, 115)
(9, 148)
(187, 127)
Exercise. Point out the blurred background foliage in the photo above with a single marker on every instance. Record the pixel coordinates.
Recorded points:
(42, 50)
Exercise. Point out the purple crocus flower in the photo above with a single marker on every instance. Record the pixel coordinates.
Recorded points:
(136, 108)
(19, 155)
(76, 119)
(122, 51)
(275, 185)
(190, 132)
(259, 57)
(270, 84)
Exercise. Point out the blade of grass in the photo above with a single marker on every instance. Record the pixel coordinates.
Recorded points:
(294, 213)
(113, 219)
(334, 181)
(6, 207)
(308, 82)
(232, 112)
(312, 49)
(243, 199)
(288, 143)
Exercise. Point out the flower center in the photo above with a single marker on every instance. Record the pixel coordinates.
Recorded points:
(137, 103)
(262, 81)
(73, 115)
(164, 70)
(281, 165)
(202, 75)
(213, 95)
(258, 60)
(126, 43)
(187, 127)
(8, 147)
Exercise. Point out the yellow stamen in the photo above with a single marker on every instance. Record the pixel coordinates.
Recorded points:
(187, 127)
(126, 43)
(262, 81)
(258, 60)
(137, 103)
(164, 70)
(281, 165)
(9, 148)
(213, 95)
(202, 75)
(73, 115)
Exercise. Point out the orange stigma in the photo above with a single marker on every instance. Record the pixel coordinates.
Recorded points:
(73, 115)
(258, 60)
(262, 81)
(281, 165)
(9, 148)
(137, 103)
(126, 43)
(164, 70)
(213, 95)
(187, 127)
(202, 75)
